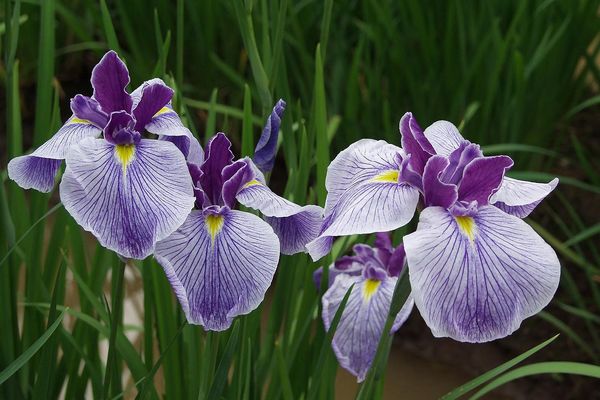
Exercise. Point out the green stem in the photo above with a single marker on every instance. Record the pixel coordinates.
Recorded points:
(117, 310)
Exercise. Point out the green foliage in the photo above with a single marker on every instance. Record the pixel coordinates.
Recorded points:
(511, 73)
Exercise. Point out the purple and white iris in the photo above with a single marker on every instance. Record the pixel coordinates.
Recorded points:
(374, 272)
(476, 269)
(221, 261)
(128, 191)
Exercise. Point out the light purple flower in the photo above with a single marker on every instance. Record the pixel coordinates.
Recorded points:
(476, 269)
(370, 189)
(221, 261)
(128, 191)
(374, 272)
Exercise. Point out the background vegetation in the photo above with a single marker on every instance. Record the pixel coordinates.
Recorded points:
(520, 77)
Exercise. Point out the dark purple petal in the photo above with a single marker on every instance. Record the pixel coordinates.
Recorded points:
(109, 80)
(119, 129)
(415, 143)
(396, 261)
(266, 148)
(407, 174)
(383, 240)
(374, 272)
(438, 193)
(482, 177)
(218, 156)
(234, 177)
(154, 97)
(459, 159)
(86, 108)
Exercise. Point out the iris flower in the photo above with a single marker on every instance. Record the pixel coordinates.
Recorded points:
(476, 269)
(221, 261)
(128, 191)
(374, 272)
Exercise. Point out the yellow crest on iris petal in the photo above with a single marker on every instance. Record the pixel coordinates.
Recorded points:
(125, 153)
(162, 111)
(467, 226)
(253, 182)
(390, 176)
(214, 224)
(370, 288)
(76, 120)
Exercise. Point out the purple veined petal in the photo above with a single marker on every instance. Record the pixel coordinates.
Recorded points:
(155, 96)
(234, 177)
(110, 78)
(218, 156)
(319, 247)
(436, 192)
(360, 162)
(129, 197)
(86, 108)
(363, 319)
(266, 148)
(474, 279)
(407, 174)
(519, 198)
(38, 169)
(444, 137)
(294, 225)
(482, 177)
(219, 265)
(415, 143)
(188, 145)
(458, 161)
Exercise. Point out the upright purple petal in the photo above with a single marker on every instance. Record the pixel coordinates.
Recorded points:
(482, 177)
(86, 108)
(474, 279)
(218, 155)
(444, 137)
(438, 193)
(396, 261)
(234, 176)
(120, 129)
(110, 78)
(459, 159)
(38, 169)
(154, 97)
(188, 145)
(363, 319)
(415, 143)
(129, 197)
(347, 265)
(266, 148)
(219, 265)
(383, 240)
(519, 198)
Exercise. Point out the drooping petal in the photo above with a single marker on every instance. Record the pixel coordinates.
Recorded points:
(266, 148)
(519, 198)
(363, 319)
(415, 143)
(154, 97)
(219, 265)
(438, 193)
(475, 279)
(482, 177)
(129, 197)
(444, 137)
(218, 155)
(110, 77)
(294, 225)
(38, 169)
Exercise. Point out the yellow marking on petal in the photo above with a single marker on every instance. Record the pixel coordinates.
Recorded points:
(76, 120)
(253, 182)
(214, 224)
(467, 226)
(390, 176)
(162, 111)
(125, 154)
(370, 288)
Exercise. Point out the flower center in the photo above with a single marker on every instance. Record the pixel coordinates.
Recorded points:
(467, 226)
(125, 154)
(214, 224)
(390, 176)
(370, 288)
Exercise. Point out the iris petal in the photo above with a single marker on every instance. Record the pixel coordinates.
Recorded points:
(38, 169)
(475, 279)
(110, 77)
(218, 277)
(444, 137)
(129, 197)
(363, 319)
(519, 198)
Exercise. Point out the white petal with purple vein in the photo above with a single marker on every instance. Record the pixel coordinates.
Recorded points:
(519, 198)
(475, 279)
(444, 137)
